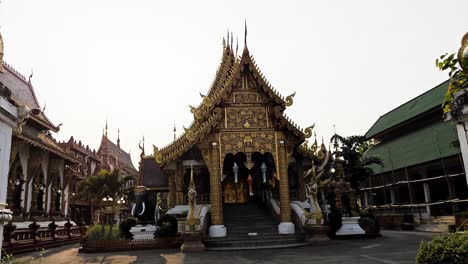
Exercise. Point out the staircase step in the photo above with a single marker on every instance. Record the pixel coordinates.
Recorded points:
(242, 219)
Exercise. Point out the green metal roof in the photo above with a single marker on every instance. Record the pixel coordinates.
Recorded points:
(422, 103)
(426, 144)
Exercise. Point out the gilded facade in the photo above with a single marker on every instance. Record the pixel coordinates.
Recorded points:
(241, 143)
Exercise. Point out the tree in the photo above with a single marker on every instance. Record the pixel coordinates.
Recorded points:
(104, 184)
(457, 64)
(350, 151)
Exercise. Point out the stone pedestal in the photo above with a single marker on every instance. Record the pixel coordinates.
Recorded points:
(286, 228)
(217, 231)
(316, 233)
(192, 243)
(350, 227)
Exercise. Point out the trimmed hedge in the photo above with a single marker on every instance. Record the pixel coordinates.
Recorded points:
(443, 249)
(167, 226)
(100, 232)
(126, 225)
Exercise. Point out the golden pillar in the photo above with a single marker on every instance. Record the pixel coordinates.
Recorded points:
(286, 226)
(216, 199)
(284, 184)
(179, 185)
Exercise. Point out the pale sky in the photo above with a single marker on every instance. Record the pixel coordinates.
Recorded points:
(139, 64)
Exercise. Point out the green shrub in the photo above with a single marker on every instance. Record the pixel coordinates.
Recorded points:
(7, 258)
(126, 225)
(369, 223)
(100, 232)
(447, 248)
(167, 226)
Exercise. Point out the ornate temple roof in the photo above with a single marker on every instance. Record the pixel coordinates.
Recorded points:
(44, 141)
(208, 112)
(78, 146)
(116, 152)
(22, 92)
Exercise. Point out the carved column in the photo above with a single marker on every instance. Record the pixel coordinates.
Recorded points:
(172, 191)
(286, 226)
(217, 228)
(179, 185)
(216, 200)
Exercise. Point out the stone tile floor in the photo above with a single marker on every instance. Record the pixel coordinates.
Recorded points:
(393, 247)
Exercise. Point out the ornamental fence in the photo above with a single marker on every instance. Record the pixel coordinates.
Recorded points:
(35, 238)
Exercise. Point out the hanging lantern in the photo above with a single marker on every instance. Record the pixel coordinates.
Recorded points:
(264, 170)
(235, 169)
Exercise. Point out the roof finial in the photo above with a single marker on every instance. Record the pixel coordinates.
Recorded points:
(245, 33)
(228, 37)
(175, 132)
(232, 40)
(118, 137)
(30, 76)
(237, 45)
(105, 129)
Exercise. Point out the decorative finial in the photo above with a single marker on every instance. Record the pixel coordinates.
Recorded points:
(228, 37)
(105, 129)
(232, 40)
(245, 33)
(175, 132)
(237, 45)
(118, 136)
(30, 76)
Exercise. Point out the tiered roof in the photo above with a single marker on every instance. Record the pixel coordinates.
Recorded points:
(22, 93)
(116, 152)
(207, 113)
(78, 146)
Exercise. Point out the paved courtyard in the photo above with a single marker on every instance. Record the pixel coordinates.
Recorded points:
(393, 247)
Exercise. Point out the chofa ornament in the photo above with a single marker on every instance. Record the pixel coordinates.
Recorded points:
(308, 131)
(289, 99)
(157, 155)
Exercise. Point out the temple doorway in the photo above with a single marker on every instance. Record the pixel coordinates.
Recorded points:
(235, 178)
(263, 174)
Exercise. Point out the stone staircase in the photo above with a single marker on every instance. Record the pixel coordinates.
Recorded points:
(439, 224)
(242, 219)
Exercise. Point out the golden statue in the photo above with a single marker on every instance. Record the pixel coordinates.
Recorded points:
(1, 54)
(192, 196)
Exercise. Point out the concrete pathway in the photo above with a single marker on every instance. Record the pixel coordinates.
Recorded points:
(393, 247)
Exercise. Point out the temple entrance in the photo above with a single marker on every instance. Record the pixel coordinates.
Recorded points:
(263, 173)
(235, 178)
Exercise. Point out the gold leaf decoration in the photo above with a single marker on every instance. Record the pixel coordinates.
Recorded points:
(308, 131)
(289, 99)
(157, 155)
